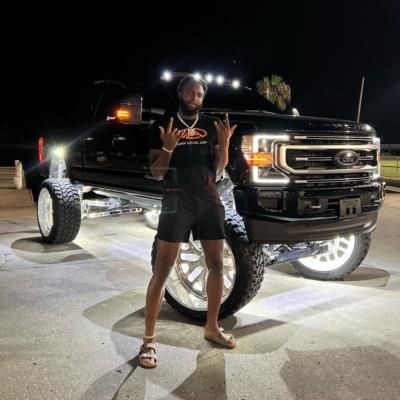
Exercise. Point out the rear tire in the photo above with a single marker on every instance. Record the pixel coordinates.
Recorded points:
(59, 211)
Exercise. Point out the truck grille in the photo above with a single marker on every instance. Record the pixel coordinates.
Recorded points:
(325, 159)
(329, 160)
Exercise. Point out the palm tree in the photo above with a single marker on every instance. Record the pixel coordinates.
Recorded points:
(275, 90)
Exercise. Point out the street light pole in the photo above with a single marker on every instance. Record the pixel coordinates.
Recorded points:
(360, 99)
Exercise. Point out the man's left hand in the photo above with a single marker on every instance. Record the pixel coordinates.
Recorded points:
(224, 131)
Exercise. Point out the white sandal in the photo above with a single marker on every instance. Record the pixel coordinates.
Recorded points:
(224, 339)
(147, 353)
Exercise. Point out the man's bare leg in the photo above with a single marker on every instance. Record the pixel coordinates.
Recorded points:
(167, 253)
(166, 257)
(214, 256)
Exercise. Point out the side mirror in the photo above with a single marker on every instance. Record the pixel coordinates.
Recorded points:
(130, 110)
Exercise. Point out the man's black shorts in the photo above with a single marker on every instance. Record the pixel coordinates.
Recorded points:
(182, 213)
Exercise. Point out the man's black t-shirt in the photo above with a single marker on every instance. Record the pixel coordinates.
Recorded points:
(191, 167)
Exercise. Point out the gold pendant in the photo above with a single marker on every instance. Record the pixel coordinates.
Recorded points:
(190, 132)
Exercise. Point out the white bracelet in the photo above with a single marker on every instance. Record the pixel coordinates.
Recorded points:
(168, 151)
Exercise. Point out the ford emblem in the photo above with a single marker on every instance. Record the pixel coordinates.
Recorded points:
(346, 158)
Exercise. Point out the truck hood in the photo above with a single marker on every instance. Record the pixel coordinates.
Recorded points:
(258, 121)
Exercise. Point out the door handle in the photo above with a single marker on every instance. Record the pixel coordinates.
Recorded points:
(119, 138)
(88, 139)
(159, 178)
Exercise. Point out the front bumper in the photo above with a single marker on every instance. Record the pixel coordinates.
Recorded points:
(276, 215)
(266, 231)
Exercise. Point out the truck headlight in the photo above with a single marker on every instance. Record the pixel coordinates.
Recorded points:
(59, 152)
(258, 151)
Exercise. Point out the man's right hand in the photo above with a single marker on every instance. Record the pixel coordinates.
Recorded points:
(171, 136)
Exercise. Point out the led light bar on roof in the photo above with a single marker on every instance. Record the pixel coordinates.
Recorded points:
(208, 77)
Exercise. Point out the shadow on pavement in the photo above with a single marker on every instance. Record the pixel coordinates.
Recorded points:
(33, 249)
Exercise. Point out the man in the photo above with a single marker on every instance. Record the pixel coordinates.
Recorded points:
(188, 150)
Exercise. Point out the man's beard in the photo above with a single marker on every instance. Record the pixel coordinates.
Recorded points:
(188, 111)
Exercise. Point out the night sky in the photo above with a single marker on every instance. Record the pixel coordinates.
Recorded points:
(321, 48)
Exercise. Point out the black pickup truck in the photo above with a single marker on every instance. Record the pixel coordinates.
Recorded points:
(297, 189)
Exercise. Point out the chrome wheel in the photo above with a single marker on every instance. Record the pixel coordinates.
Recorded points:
(152, 218)
(45, 212)
(187, 280)
(336, 254)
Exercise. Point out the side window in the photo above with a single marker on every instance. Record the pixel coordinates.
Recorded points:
(93, 102)
(83, 106)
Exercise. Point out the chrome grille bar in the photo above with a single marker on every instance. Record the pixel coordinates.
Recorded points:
(283, 162)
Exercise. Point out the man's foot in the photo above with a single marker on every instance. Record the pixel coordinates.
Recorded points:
(220, 337)
(147, 355)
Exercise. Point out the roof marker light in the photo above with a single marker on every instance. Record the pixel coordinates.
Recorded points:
(220, 80)
(167, 76)
(235, 84)
(209, 78)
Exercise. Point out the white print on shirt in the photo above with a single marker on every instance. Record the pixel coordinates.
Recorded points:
(192, 142)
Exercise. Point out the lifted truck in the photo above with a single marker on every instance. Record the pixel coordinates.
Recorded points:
(297, 189)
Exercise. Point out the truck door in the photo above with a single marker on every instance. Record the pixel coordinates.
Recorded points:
(98, 157)
(131, 154)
